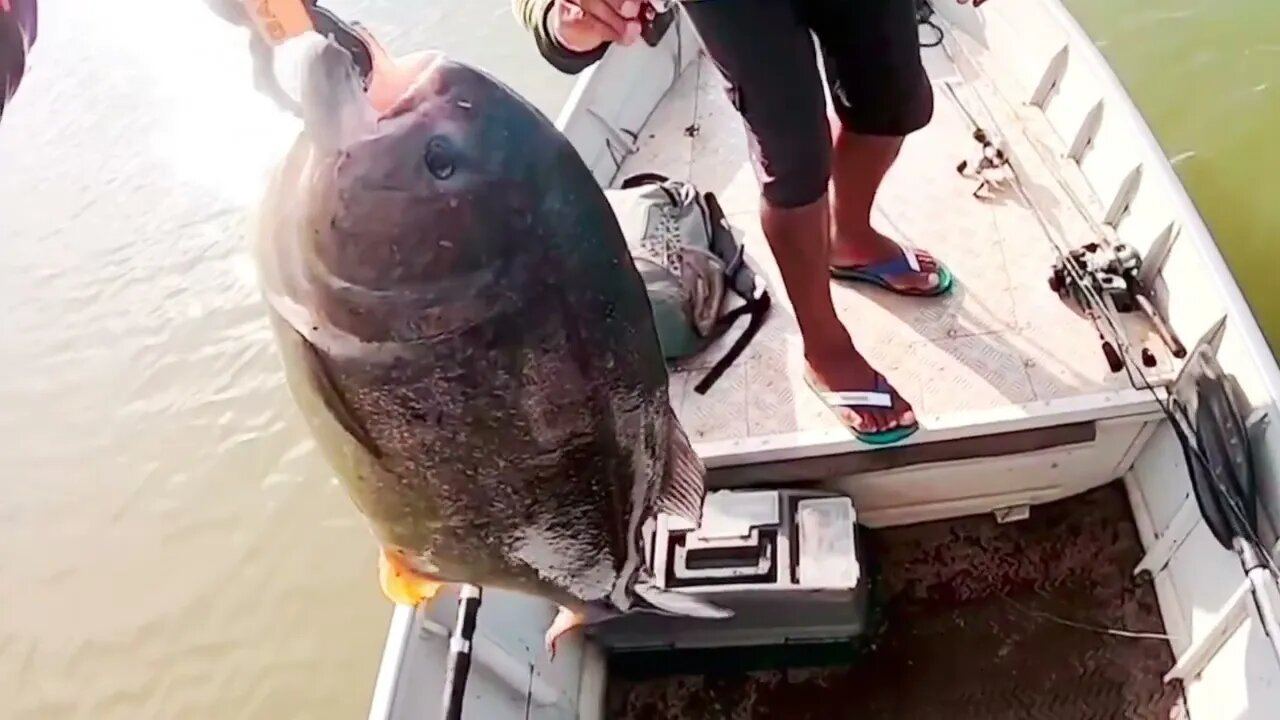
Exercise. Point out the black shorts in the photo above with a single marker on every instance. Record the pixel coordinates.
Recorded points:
(871, 55)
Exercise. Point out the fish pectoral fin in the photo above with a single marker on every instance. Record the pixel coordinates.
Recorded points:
(683, 481)
(565, 621)
(403, 585)
(674, 603)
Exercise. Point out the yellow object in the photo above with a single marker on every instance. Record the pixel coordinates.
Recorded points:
(279, 20)
(403, 585)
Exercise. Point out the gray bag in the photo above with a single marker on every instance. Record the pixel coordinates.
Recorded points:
(689, 261)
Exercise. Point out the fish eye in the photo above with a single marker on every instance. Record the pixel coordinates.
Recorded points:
(439, 158)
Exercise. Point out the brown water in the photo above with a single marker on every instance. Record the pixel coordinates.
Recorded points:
(1206, 75)
(171, 546)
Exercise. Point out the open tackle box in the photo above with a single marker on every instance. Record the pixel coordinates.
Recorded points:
(787, 562)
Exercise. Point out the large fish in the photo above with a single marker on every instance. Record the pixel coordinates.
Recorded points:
(467, 336)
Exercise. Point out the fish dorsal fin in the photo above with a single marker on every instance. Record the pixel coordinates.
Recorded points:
(683, 485)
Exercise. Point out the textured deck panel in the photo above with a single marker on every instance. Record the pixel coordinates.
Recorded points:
(999, 340)
(982, 622)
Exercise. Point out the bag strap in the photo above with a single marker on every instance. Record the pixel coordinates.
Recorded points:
(758, 309)
(644, 178)
(743, 282)
(651, 178)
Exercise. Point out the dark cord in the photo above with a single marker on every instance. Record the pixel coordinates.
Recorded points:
(924, 17)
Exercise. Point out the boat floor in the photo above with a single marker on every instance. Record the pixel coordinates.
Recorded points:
(1000, 340)
(1037, 619)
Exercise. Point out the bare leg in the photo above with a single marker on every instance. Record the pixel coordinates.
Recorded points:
(858, 167)
(800, 240)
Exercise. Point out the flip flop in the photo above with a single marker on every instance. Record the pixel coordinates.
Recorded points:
(881, 396)
(881, 272)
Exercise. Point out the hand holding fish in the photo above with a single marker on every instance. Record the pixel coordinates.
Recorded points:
(584, 25)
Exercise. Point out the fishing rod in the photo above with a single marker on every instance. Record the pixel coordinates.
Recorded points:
(459, 663)
(1216, 445)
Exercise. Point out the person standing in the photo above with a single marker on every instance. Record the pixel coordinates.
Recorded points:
(817, 182)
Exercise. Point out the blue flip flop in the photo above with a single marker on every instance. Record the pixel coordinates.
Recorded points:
(881, 396)
(879, 274)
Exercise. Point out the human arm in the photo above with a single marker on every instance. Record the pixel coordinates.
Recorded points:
(574, 34)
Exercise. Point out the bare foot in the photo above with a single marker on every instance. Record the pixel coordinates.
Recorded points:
(870, 247)
(835, 365)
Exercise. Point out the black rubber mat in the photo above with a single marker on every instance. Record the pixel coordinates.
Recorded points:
(1035, 620)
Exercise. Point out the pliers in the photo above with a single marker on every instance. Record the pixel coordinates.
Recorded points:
(347, 35)
(350, 36)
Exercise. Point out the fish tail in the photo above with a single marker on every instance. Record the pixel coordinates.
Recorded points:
(683, 486)
(681, 494)
(677, 603)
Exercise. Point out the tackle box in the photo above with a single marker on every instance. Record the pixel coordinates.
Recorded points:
(786, 562)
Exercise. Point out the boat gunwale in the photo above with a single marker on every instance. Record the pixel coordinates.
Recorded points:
(1239, 312)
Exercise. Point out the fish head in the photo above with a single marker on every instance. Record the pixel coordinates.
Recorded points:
(432, 182)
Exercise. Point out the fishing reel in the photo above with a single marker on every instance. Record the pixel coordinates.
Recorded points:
(990, 163)
(1094, 273)
(1107, 273)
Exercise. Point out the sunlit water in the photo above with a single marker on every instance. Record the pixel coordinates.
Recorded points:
(1206, 75)
(171, 546)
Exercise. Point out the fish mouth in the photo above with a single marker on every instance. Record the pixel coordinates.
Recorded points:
(337, 110)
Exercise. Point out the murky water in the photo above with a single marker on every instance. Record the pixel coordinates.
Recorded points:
(171, 546)
(1206, 75)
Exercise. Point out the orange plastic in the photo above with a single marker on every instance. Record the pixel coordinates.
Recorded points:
(279, 20)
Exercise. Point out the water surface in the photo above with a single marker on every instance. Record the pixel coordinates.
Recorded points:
(1206, 75)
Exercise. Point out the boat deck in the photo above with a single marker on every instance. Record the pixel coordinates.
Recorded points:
(981, 621)
(1001, 344)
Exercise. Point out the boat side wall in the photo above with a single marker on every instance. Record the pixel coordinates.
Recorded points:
(1042, 63)
(511, 676)
(1059, 79)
